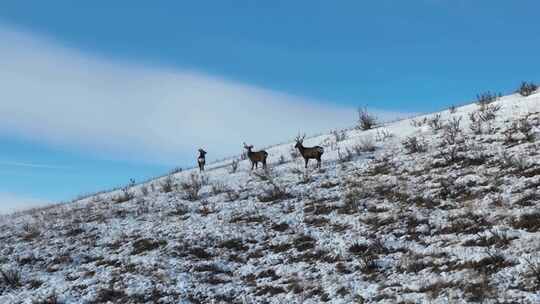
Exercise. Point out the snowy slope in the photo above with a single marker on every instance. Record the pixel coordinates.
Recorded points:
(456, 223)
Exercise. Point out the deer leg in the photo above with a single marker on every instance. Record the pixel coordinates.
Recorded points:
(264, 164)
(319, 162)
(306, 160)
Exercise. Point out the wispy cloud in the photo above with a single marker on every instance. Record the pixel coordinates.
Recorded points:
(64, 97)
(10, 202)
(29, 165)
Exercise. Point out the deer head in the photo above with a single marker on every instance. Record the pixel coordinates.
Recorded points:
(299, 141)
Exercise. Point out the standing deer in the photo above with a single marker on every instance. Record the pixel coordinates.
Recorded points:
(256, 157)
(309, 152)
(201, 160)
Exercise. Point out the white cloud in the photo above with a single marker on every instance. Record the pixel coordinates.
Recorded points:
(11, 202)
(64, 97)
(28, 165)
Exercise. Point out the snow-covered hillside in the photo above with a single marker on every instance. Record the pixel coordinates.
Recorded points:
(442, 208)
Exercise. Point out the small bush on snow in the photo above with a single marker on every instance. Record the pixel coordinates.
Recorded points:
(144, 190)
(453, 141)
(533, 269)
(419, 123)
(344, 156)
(435, 123)
(234, 165)
(167, 184)
(192, 186)
(364, 145)
(527, 88)
(414, 145)
(339, 135)
(522, 126)
(218, 188)
(366, 120)
(126, 193)
(486, 98)
(30, 231)
(11, 278)
(526, 128)
(383, 135)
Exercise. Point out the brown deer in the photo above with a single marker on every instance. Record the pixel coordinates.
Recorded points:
(201, 160)
(309, 152)
(256, 157)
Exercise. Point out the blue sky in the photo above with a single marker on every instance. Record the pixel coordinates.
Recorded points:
(394, 56)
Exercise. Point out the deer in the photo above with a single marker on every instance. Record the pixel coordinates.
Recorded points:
(309, 152)
(256, 157)
(201, 160)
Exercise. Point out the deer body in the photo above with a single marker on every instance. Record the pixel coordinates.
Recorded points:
(308, 153)
(201, 160)
(256, 157)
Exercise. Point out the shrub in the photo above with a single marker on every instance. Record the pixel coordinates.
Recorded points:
(414, 145)
(345, 156)
(477, 124)
(452, 131)
(126, 194)
(527, 88)
(294, 153)
(526, 128)
(282, 160)
(11, 278)
(234, 165)
(218, 188)
(486, 98)
(450, 153)
(435, 123)
(275, 192)
(366, 120)
(243, 156)
(192, 186)
(481, 119)
(144, 190)
(529, 222)
(452, 142)
(167, 184)
(522, 126)
(49, 299)
(232, 195)
(418, 123)
(340, 135)
(489, 112)
(143, 245)
(534, 271)
(452, 109)
(176, 170)
(30, 231)
(364, 145)
(383, 135)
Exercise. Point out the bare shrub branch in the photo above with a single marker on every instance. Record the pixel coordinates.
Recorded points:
(366, 120)
(192, 186)
(527, 88)
(486, 98)
(413, 144)
(167, 184)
